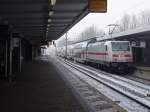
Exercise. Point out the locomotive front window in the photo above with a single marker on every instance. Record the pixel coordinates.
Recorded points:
(120, 46)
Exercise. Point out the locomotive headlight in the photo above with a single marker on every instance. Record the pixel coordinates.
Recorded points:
(114, 59)
(129, 60)
(127, 55)
(115, 55)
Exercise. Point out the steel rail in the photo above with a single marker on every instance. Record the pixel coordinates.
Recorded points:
(136, 95)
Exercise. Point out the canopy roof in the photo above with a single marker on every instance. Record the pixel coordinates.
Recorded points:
(38, 20)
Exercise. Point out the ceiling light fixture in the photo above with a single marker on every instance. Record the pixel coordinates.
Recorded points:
(49, 20)
(53, 2)
(47, 29)
(51, 13)
(48, 25)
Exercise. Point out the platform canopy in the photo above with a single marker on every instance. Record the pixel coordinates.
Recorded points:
(38, 20)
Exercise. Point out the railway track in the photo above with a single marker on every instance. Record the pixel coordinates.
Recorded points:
(138, 79)
(136, 91)
(126, 76)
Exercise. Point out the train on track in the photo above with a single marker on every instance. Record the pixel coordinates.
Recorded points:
(109, 55)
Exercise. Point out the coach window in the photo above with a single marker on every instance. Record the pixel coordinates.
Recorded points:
(106, 47)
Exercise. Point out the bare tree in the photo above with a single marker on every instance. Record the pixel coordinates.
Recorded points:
(134, 22)
(91, 32)
(125, 22)
(145, 18)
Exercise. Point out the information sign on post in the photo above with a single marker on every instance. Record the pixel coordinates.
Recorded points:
(98, 6)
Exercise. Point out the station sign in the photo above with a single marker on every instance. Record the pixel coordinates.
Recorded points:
(141, 44)
(98, 6)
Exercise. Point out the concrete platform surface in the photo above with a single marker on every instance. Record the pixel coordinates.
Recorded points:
(142, 72)
(144, 68)
(39, 88)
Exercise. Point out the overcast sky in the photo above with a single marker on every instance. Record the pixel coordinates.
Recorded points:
(115, 10)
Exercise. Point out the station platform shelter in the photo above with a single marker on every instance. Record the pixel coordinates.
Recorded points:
(25, 26)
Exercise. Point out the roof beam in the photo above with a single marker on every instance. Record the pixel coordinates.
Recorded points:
(18, 2)
(13, 12)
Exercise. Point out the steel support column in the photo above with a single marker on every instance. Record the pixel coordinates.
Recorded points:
(6, 36)
(20, 55)
(6, 62)
(9, 55)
